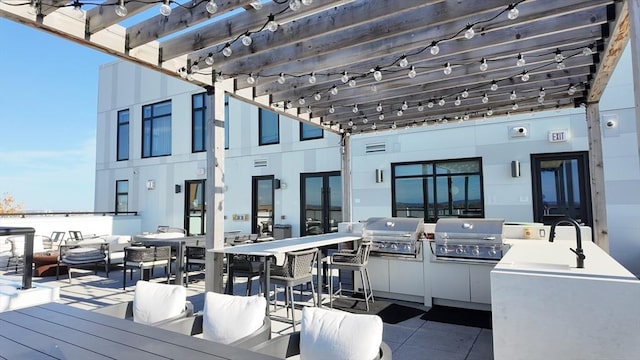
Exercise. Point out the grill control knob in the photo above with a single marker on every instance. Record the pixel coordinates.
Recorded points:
(493, 251)
(442, 249)
(460, 250)
(475, 251)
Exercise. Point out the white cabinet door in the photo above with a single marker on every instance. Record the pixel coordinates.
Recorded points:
(407, 277)
(450, 281)
(378, 273)
(480, 283)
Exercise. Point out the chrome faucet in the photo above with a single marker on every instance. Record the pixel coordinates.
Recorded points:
(578, 251)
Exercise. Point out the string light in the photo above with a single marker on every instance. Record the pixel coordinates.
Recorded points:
(373, 127)
(514, 107)
(334, 90)
(469, 33)
(272, 25)
(465, 93)
(513, 95)
(312, 78)
(572, 89)
(404, 106)
(403, 61)
(447, 69)
(281, 79)
(251, 80)
(430, 104)
(295, 5)
(587, 50)
(121, 10)
(441, 102)
(355, 109)
(485, 98)
(256, 4)
(165, 9)
(435, 49)
(344, 78)
(209, 59)
(420, 107)
(558, 57)
(332, 110)
(301, 101)
(483, 65)
(211, 7)
(489, 112)
(494, 86)
(525, 76)
(457, 102)
(352, 83)
(412, 73)
(513, 12)
(246, 40)
(542, 92)
(317, 96)
(365, 120)
(377, 74)
(394, 126)
(379, 107)
(227, 50)
(560, 65)
(521, 62)
(399, 113)
(381, 117)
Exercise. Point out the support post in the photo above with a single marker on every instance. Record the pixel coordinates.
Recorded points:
(634, 39)
(214, 190)
(347, 193)
(596, 171)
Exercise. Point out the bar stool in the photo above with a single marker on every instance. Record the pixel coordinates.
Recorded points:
(352, 260)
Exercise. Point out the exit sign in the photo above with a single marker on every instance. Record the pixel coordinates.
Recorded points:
(558, 136)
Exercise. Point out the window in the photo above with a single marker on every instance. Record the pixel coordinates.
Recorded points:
(122, 196)
(435, 189)
(156, 129)
(123, 135)
(269, 127)
(226, 121)
(198, 122)
(310, 132)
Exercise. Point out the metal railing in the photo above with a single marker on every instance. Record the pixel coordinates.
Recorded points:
(69, 213)
(27, 259)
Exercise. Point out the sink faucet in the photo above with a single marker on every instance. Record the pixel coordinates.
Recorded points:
(578, 251)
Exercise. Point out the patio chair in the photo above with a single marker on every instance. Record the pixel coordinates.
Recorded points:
(57, 239)
(153, 304)
(331, 334)
(296, 270)
(17, 248)
(352, 260)
(145, 259)
(244, 267)
(169, 229)
(75, 255)
(194, 256)
(75, 235)
(238, 321)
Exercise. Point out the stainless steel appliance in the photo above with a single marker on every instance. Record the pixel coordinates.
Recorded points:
(470, 239)
(393, 236)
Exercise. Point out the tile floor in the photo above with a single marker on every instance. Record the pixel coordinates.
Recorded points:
(411, 339)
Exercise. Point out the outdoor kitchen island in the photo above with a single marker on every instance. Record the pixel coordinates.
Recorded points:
(544, 307)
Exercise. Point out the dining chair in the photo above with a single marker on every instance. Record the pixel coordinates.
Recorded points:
(153, 304)
(330, 334)
(243, 266)
(296, 270)
(352, 260)
(57, 239)
(194, 256)
(145, 259)
(238, 321)
(75, 235)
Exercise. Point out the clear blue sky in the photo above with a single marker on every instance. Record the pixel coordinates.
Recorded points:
(48, 109)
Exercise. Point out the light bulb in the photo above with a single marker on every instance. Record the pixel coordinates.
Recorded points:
(211, 7)
(219, 77)
(404, 106)
(394, 126)
(251, 80)
(521, 61)
(572, 90)
(352, 83)
(435, 49)
(377, 75)
(420, 107)
(542, 92)
(403, 62)
(447, 69)
(350, 123)
(415, 124)
(489, 112)
(469, 33)
(558, 56)
(317, 96)
(525, 76)
(301, 101)
(80, 13)
(379, 107)
(281, 79)
(256, 4)
(430, 104)
(334, 90)
(165, 9)
(195, 67)
(381, 117)
(373, 127)
(513, 95)
(514, 107)
(289, 105)
(209, 59)
(272, 25)
(332, 110)
(34, 10)
(560, 65)
(294, 5)
(307, 2)
(183, 73)
(189, 77)
(483, 65)
(246, 40)
(121, 10)
(457, 102)
(309, 109)
(312, 78)
(465, 93)
(587, 51)
(441, 102)
(365, 120)
(444, 120)
(424, 122)
(513, 12)
(494, 86)
(541, 99)
(227, 51)
(344, 78)
(412, 73)
(465, 117)
(485, 99)
(355, 109)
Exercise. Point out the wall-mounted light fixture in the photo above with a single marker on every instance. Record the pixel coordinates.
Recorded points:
(151, 184)
(276, 183)
(515, 168)
(379, 177)
(178, 189)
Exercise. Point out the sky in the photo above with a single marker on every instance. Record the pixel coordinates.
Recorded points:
(48, 111)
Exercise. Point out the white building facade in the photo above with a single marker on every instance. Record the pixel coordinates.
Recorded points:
(523, 168)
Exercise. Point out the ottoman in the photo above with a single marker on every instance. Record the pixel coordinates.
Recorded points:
(45, 264)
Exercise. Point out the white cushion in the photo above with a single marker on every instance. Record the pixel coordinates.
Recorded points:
(330, 334)
(227, 318)
(153, 302)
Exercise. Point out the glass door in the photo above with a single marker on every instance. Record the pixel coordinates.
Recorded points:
(321, 203)
(195, 208)
(561, 187)
(262, 205)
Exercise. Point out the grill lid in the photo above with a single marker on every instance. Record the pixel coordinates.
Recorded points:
(391, 226)
(469, 229)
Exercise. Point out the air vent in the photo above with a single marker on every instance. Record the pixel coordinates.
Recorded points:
(375, 148)
(260, 163)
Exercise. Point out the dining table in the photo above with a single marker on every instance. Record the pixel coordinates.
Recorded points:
(277, 249)
(60, 331)
(178, 247)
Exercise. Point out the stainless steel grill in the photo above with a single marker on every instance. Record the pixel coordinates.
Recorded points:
(393, 236)
(476, 239)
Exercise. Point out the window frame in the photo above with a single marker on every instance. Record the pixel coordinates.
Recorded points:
(118, 194)
(119, 134)
(226, 121)
(152, 120)
(202, 111)
(261, 111)
(429, 196)
(304, 125)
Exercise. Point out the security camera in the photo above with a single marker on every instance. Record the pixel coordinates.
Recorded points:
(611, 124)
(519, 131)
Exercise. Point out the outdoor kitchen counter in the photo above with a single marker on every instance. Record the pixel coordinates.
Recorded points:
(545, 307)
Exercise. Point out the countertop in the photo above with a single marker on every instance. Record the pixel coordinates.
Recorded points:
(555, 258)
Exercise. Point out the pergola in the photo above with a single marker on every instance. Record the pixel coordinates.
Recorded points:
(360, 66)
